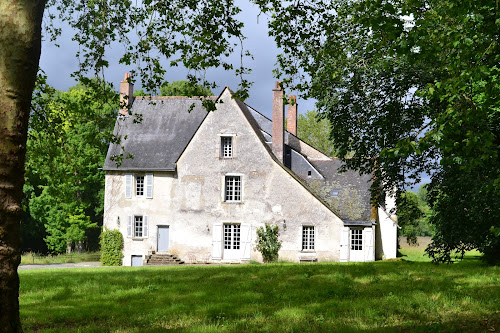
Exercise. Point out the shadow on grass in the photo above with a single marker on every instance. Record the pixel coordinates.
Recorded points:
(372, 297)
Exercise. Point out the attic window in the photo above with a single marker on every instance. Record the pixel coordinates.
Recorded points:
(334, 193)
(309, 173)
(226, 146)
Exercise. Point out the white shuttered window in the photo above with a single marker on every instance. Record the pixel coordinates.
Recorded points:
(149, 185)
(128, 185)
(137, 226)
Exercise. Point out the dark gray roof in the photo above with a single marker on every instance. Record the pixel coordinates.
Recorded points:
(350, 183)
(357, 185)
(157, 142)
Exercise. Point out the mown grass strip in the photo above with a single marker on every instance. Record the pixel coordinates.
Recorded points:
(329, 297)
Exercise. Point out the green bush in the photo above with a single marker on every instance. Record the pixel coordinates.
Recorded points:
(111, 248)
(267, 242)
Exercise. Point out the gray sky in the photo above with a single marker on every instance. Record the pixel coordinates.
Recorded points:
(59, 63)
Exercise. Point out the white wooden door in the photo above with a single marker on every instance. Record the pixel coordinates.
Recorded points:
(163, 238)
(232, 241)
(356, 245)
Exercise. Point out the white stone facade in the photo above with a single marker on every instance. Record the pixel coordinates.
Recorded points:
(191, 202)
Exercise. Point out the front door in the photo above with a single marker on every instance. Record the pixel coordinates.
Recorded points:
(163, 235)
(232, 242)
(356, 245)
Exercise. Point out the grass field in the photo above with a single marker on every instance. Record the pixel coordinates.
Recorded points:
(31, 258)
(326, 297)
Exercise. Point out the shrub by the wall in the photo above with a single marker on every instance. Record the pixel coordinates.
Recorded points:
(268, 243)
(111, 248)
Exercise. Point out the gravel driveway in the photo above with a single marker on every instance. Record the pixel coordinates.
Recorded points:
(55, 266)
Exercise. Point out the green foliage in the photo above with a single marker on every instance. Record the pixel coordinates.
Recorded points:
(315, 131)
(111, 248)
(67, 143)
(184, 88)
(409, 215)
(268, 243)
(410, 87)
(156, 36)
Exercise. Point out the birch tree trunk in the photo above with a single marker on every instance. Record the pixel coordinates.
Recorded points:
(20, 45)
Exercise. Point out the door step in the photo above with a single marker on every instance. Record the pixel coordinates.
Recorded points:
(162, 259)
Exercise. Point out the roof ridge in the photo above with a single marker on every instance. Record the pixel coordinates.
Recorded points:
(160, 98)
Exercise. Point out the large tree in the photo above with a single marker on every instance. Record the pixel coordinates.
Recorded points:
(64, 193)
(410, 87)
(198, 35)
(316, 131)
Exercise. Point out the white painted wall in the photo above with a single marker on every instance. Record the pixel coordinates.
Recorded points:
(388, 242)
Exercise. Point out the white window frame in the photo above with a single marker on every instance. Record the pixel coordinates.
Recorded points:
(131, 185)
(356, 239)
(221, 151)
(132, 225)
(238, 196)
(234, 231)
(226, 146)
(308, 238)
(143, 185)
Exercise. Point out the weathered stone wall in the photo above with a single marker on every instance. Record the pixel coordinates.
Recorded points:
(191, 200)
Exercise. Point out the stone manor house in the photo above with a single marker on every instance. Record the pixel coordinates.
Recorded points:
(201, 183)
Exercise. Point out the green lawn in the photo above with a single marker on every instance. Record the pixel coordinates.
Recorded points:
(31, 258)
(342, 297)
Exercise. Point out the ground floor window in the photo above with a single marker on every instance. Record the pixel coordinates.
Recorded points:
(138, 226)
(307, 238)
(232, 236)
(136, 260)
(356, 239)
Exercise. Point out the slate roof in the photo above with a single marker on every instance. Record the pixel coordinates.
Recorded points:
(157, 142)
(325, 171)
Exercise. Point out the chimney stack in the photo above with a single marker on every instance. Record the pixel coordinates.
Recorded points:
(291, 122)
(278, 122)
(126, 94)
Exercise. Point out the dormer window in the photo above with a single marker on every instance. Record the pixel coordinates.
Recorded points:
(226, 146)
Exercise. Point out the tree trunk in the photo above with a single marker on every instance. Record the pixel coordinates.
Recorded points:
(20, 40)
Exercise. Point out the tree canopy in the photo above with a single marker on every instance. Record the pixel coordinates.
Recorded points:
(153, 35)
(410, 87)
(316, 132)
(67, 143)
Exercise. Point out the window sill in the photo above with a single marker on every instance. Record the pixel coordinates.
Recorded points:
(308, 251)
(138, 238)
(233, 202)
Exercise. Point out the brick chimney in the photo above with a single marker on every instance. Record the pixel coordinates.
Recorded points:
(291, 119)
(278, 122)
(126, 94)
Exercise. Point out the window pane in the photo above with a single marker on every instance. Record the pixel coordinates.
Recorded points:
(138, 226)
(233, 188)
(139, 185)
(356, 239)
(226, 146)
(307, 238)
